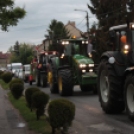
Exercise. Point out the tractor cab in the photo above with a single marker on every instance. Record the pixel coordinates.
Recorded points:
(43, 59)
(74, 46)
(122, 39)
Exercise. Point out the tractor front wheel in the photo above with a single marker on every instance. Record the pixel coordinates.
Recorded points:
(38, 78)
(43, 80)
(110, 89)
(53, 85)
(65, 83)
(129, 96)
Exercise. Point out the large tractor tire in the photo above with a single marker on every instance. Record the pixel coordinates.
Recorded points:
(110, 89)
(129, 96)
(53, 85)
(65, 83)
(43, 80)
(38, 78)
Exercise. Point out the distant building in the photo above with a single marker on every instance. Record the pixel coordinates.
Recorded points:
(4, 59)
(70, 27)
(73, 30)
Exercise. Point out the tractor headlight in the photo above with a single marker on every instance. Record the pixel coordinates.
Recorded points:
(91, 65)
(62, 55)
(126, 47)
(83, 71)
(90, 70)
(82, 65)
(132, 26)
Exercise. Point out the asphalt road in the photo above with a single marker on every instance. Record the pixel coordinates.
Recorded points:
(89, 117)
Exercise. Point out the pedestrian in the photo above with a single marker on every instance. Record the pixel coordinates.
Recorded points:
(89, 47)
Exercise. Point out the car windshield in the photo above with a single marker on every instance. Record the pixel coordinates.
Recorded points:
(16, 67)
(27, 68)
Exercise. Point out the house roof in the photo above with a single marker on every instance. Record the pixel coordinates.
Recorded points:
(4, 55)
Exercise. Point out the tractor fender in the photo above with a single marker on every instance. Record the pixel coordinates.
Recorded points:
(129, 70)
(119, 61)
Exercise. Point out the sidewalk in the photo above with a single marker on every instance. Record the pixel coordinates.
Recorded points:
(10, 120)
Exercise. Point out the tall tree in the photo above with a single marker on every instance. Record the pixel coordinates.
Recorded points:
(109, 13)
(56, 31)
(9, 16)
(25, 54)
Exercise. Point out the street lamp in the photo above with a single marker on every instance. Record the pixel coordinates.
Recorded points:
(86, 18)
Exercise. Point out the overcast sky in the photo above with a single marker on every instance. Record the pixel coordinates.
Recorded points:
(34, 26)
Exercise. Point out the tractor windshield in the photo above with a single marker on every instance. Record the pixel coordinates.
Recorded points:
(75, 47)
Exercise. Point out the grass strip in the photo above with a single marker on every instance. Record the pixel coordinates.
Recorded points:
(41, 126)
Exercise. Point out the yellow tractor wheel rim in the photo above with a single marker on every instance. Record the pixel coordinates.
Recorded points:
(50, 76)
(60, 84)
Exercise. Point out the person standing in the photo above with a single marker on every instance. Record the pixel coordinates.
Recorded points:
(89, 47)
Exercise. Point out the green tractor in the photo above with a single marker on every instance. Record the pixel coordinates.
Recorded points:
(116, 72)
(72, 67)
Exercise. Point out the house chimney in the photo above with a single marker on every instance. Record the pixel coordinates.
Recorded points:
(72, 23)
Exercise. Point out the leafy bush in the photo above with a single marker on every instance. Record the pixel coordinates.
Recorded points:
(1, 72)
(28, 95)
(17, 90)
(7, 77)
(61, 113)
(39, 101)
(15, 80)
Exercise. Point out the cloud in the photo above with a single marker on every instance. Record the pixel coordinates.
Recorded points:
(39, 15)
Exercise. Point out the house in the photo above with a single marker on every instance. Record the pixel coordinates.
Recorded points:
(70, 27)
(73, 30)
(4, 59)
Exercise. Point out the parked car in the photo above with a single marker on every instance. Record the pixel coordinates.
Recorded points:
(19, 73)
(15, 67)
(27, 70)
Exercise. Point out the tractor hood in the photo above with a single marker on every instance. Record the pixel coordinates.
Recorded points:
(80, 59)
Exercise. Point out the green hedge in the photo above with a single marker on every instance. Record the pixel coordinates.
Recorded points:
(17, 90)
(39, 102)
(6, 77)
(61, 113)
(28, 95)
(16, 80)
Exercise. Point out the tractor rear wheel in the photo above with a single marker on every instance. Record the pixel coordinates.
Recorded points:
(129, 96)
(110, 89)
(65, 83)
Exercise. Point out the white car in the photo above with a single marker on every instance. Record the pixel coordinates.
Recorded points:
(19, 73)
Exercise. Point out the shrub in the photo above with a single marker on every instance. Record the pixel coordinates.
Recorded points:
(61, 113)
(17, 90)
(39, 101)
(7, 77)
(1, 72)
(28, 95)
(16, 80)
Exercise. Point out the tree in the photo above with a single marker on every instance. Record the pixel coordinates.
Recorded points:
(10, 16)
(56, 31)
(109, 14)
(25, 54)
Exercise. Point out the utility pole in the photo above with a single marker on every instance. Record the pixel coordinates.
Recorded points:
(87, 19)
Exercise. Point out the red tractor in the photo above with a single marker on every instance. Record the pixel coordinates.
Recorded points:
(40, 68)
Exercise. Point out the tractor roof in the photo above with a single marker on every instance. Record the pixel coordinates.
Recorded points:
(80, 39)
(121, 27)
(118, 27)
